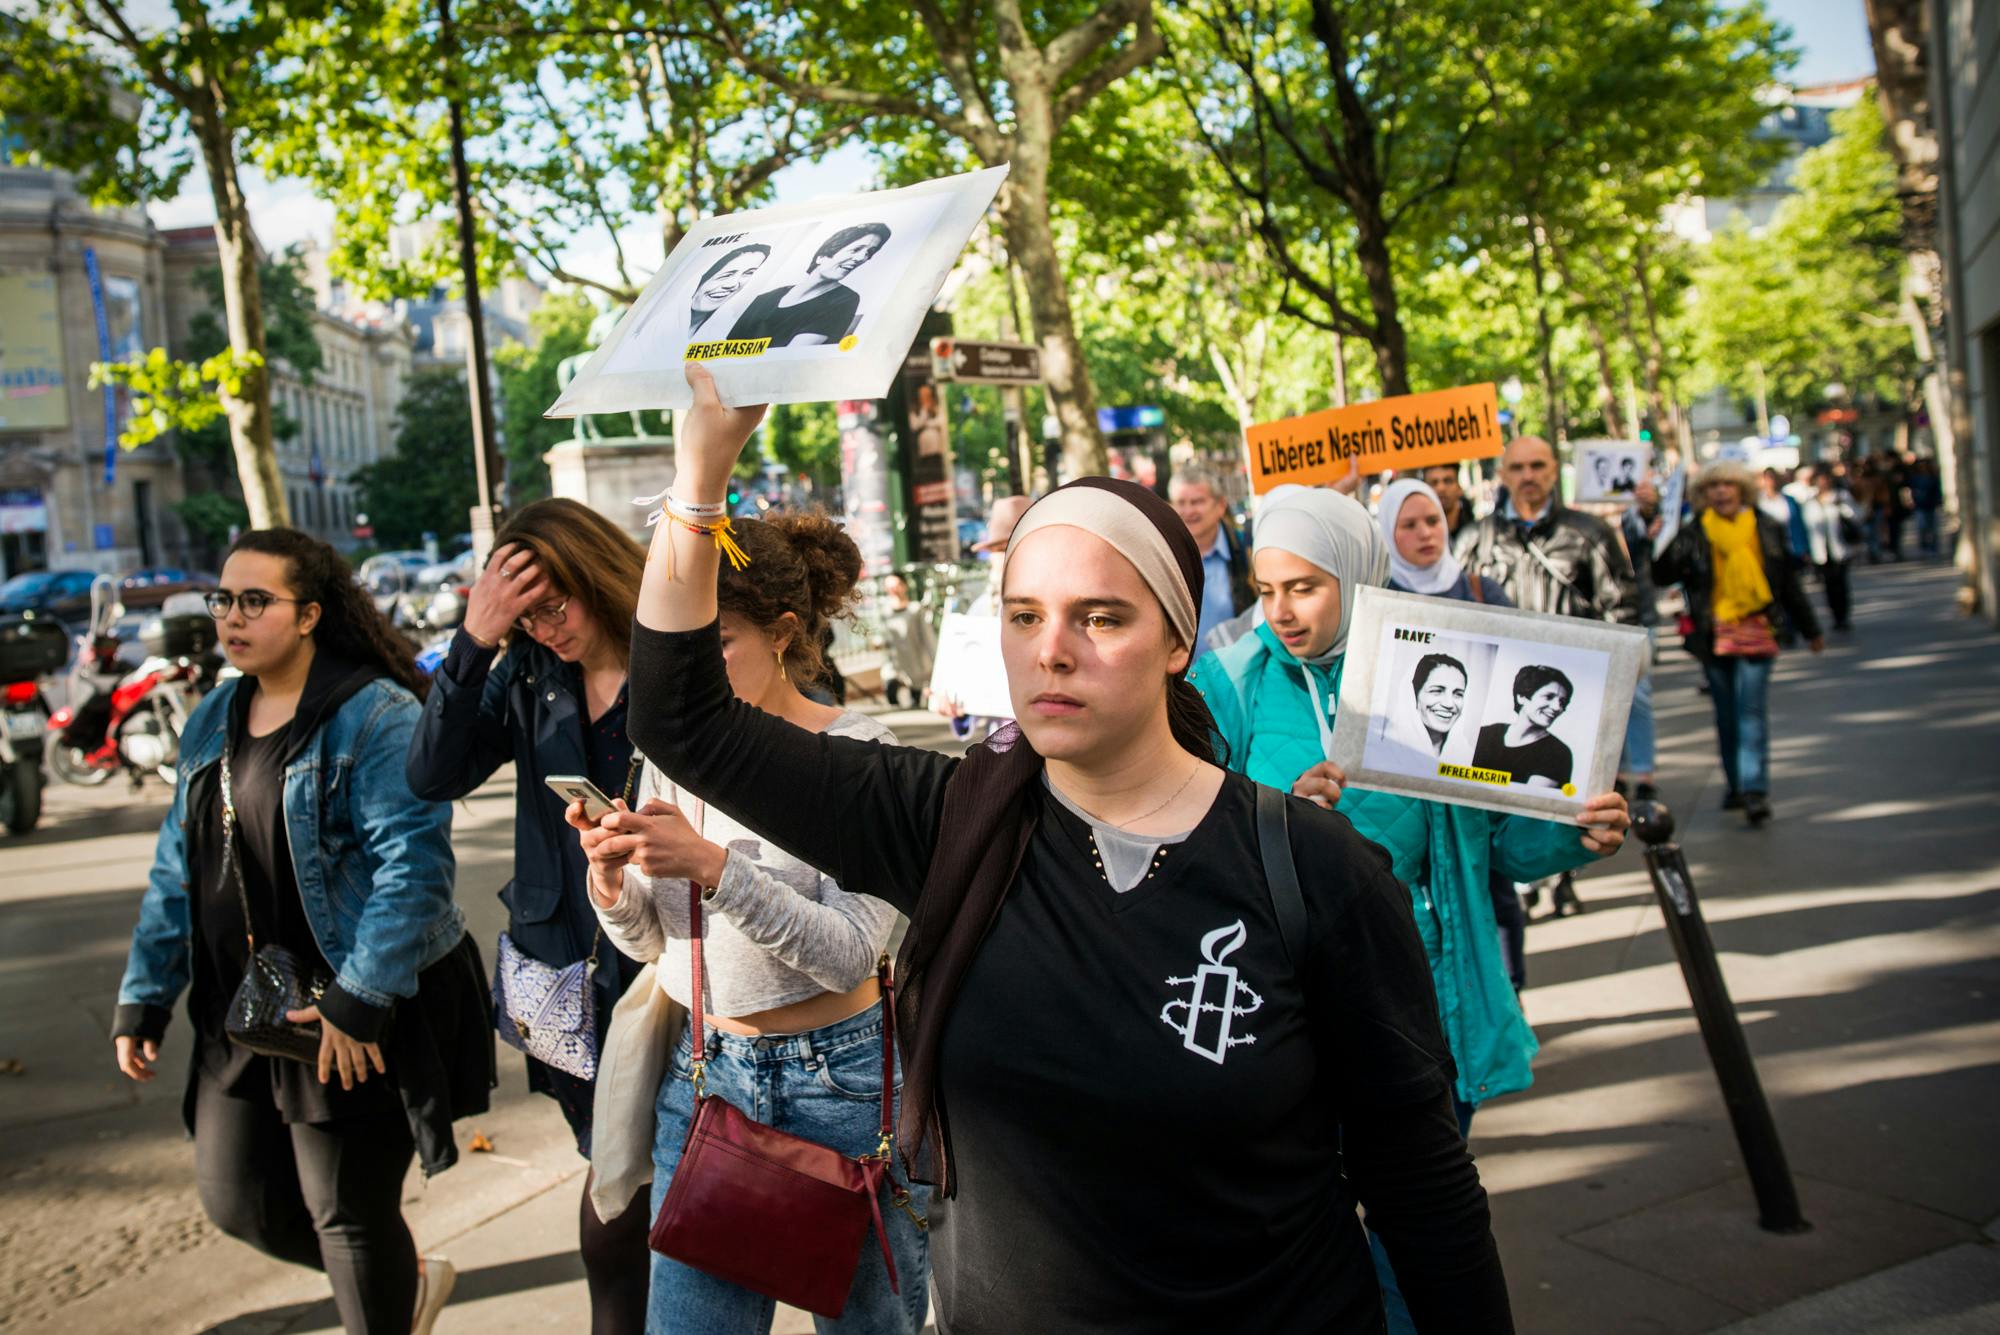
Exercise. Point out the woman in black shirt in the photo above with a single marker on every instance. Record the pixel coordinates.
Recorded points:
(1146, 1104)
(1523, 747)
(822, 309)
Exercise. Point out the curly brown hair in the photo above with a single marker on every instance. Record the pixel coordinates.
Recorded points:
(804, 564)
(586, 558)
(349, 626)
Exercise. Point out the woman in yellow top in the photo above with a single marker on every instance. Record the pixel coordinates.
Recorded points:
(1735, 565)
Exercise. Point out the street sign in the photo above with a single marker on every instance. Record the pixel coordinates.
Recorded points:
(1134, 417)
(971, 363)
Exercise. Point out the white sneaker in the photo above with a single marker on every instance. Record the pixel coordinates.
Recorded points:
(434, 1280)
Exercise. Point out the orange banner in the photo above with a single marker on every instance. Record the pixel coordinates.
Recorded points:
(1409, 431)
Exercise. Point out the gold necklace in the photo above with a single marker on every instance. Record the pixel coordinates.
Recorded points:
(1125, 828)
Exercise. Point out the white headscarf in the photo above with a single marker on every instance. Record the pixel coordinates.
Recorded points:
(1440, 575)
(1332, 531)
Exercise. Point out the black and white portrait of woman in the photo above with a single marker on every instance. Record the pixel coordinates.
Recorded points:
(1439, 684)
(819, 307)
(1524, 746)
(663, 333)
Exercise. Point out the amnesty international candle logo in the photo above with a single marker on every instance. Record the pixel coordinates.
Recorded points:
(1408, 431)
(1215, 991)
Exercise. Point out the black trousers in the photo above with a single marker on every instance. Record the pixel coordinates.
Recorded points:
(1833, 579)
(326, 1195)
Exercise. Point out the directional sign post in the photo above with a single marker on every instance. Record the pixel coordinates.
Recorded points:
(971, 363)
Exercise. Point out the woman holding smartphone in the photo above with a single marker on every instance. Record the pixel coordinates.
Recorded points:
(790, 954)
(292, 828)
(1148, 1094)
(536, 676)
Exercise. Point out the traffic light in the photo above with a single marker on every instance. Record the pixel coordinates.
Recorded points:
(735, 494)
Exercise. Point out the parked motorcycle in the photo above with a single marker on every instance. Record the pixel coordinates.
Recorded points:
(30, 647)
(119, 718)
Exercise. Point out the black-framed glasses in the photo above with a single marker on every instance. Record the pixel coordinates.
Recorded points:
(254, 602)
(548, 614)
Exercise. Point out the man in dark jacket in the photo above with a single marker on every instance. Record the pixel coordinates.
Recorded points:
(1550, 558)
(1547, 556)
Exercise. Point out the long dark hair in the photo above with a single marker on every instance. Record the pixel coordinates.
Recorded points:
(804, 564)
(349, 626)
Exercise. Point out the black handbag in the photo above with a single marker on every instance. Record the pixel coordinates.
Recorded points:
(276, 982)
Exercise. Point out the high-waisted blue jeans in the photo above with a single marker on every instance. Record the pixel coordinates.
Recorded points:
(824, 1085)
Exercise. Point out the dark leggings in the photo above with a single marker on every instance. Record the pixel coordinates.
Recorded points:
(617, 1264)
(326, 1195)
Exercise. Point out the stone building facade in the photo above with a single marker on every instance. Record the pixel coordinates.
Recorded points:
(77, 285)
(80, 284)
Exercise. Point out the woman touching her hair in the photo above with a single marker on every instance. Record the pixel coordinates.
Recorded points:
(1097, 978)
(536, 676)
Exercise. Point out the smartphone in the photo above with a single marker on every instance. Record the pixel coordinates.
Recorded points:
(576, 788)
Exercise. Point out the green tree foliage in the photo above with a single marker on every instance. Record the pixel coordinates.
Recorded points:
(528, 386)
(968, 84)
(181, 395)
(124, 95)
(427, 485)
(210, 518)
(1812, 299)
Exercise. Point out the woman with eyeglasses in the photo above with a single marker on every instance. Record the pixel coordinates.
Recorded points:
(292, 829)
(536, 676)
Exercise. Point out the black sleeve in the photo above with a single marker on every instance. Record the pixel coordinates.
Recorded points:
(461, 737)
(864, 813)
(1372, 1002)
(1375, 1015)
(1672, 566)
(1791, 592)
(1411, 1170)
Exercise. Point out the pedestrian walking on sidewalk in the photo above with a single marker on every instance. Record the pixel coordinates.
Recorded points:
(788, 955)
(292, 835)
(1926, 500)
(536, 676)
(1147, 1093)
(1273, 695)
(1551, 558)
(1833, 527)
(1735, 565)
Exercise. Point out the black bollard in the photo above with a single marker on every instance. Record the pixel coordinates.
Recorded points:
(1722, 1033)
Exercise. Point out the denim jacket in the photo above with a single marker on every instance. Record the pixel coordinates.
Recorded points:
(374, 864)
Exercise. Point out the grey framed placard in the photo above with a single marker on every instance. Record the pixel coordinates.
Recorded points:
(1483, 706)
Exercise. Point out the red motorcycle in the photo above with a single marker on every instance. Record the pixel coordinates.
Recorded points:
(131, 718)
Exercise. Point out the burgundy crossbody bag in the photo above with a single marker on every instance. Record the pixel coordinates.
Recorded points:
(765, 1209)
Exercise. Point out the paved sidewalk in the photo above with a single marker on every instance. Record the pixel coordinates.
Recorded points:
(1859, 934)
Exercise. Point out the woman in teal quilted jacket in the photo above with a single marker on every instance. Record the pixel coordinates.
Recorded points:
(1273, 694)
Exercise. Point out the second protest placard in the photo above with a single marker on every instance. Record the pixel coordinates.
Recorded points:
(1408, 431)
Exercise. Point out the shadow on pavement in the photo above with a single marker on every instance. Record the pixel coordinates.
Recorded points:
(493, 1281)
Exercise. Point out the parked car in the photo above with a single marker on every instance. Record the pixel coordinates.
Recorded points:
(435, 598)
(154, 585)
(63, 594)
(389, 575)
